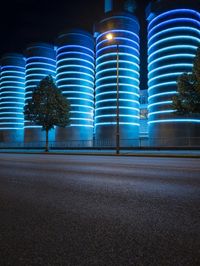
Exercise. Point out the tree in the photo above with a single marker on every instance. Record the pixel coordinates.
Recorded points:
(187, 101)
(48, 107)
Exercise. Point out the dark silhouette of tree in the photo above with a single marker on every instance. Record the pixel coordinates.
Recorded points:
(187, 101)
(48, 107)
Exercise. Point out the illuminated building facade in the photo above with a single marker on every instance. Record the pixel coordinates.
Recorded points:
(124, 28)
(75, 77)
(173, 38)
(88, 69)
(40, 62)
(12, 83)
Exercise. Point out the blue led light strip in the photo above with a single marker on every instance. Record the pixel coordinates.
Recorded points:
(74, 52)
(120, 54)
(114, 123)
(118, 39)
(40, 57)
(159, 103)
(174, 29)
(171, 21)
(178, 37)
(74, 46)
(120, 76)
(161, 112)
(114, 69)
(117, 31)
(174, 121)
(162, 94)
(114, 84)
(170, 66)
(120, 61)
(171, 56)
(114, 47)
(174, 11)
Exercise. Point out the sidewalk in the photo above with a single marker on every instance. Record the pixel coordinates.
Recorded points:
(145, 153)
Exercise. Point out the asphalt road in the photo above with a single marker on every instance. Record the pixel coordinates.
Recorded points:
(99, 210)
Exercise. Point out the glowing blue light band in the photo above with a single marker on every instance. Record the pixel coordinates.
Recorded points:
(79, 125)
(159, 103)
(75, 59)
(120, 115)
(117, 39)
(79, 99)
(120, 76)
(114, 123)
(174, 29)
(74, 52)
(114, 100)
(171, 56)
(40, 57)
(75, 46)
(171, 21)
(166, 75)
(161, 112)
(114, 69)
(114, 84)
(39, 63)
(75, 66)
(114, 47)
(179, 37)
(12, 72)
(38, 69)
(120, 92)
(175, 121)
(114, 54)
(162, 94)
(76, 79)
(114, 107)
(74, 85)
(117, 31)
(74, 72)
(120, 61)
(174, 11)
(169, 66)
(173, 47)
(16, 82)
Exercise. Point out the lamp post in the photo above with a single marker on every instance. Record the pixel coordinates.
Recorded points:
(109, 37)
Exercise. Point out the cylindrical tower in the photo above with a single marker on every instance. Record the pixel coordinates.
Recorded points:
(117, 62)
(40, 62)
(12, 98)
(173, 38)
(75, 77)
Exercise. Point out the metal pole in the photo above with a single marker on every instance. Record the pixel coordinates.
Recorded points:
(117, 111)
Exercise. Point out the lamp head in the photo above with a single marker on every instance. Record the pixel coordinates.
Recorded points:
(109, 37)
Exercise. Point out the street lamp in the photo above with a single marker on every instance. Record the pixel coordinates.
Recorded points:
(110, 37)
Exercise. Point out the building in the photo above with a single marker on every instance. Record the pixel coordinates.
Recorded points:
(100, 75)
(173, 38)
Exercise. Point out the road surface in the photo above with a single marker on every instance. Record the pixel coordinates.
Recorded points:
(99, 210)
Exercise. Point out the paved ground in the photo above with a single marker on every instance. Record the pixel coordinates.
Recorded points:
(96, 210)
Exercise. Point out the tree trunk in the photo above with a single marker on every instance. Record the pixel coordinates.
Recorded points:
(47, 140)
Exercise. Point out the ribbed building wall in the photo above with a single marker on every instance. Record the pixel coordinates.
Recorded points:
(125, 29)
(173, 38)
(12, 91)
(75, 77)
(40, 62)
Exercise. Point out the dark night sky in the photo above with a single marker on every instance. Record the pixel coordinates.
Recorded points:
(25, 21)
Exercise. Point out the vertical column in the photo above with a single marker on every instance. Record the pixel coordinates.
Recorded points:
(124, 28)
(40, 62)
(173, 38)
(12, 98)
(75, 77)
